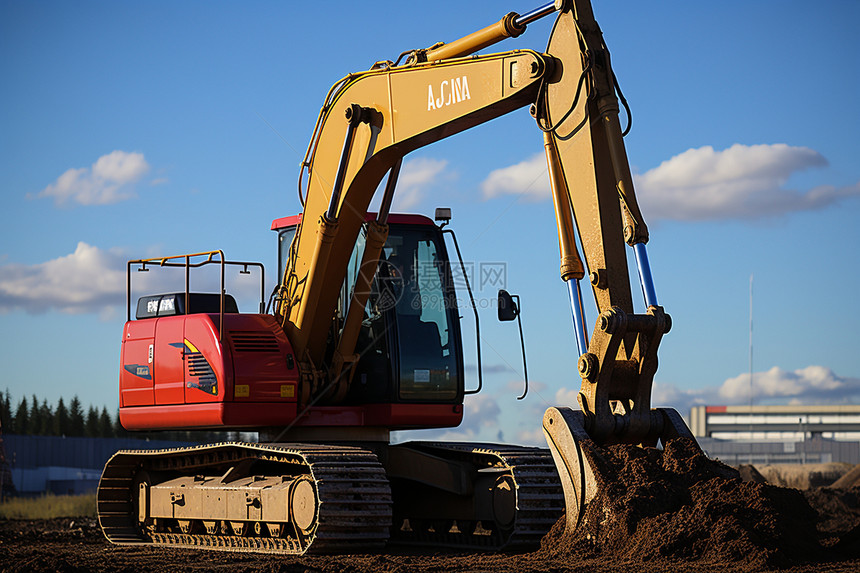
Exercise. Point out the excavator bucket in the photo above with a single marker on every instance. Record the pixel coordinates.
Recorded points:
(577, 457)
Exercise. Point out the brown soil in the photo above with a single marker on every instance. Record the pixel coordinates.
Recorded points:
(679, 505)
(662, 511)
(838, 516)
(803, 476)
(749, 473)
(850, 479)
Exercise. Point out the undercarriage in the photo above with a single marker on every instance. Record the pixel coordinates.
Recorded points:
(298, 498)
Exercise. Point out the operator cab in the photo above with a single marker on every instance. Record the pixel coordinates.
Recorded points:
(409, 343)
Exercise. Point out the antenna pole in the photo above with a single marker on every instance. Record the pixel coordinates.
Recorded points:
(751, 368)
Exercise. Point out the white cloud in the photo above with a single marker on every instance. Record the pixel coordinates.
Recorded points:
(109, 180)
(669, 395)
(416, 176)
(567, 397)
(481, 410)
(810, 385)
(531, 437)
(813, 384)
(528, 178)
(88, 280)
(93, 280)
(516, 386)
(741, 182)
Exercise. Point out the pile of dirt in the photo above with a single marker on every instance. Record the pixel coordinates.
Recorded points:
(850, 479)
(838, 521)
(749, 473)
(804, 476)
(678, 505)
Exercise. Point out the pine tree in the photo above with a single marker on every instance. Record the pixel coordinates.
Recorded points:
(6, 412)
(21, 425)
(118, 430)
(76, 418)
(105, 424)
(35, 416)
(92, 423)
(46, 419)
(61, 420)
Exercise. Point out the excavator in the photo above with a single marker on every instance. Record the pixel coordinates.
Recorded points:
(361, 336)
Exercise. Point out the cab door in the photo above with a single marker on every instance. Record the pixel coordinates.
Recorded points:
(169, 360)
(135, 377)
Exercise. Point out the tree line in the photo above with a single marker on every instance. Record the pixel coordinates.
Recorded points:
(34, 417)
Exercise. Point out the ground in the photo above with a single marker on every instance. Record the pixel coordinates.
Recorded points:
(65, 545)
(657, 510)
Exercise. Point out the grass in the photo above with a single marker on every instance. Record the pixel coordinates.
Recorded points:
(49, 506)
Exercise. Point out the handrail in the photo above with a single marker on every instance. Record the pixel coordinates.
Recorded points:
(474, 311)
(187, 264)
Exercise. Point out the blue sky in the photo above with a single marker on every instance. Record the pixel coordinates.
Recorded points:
(130, 130)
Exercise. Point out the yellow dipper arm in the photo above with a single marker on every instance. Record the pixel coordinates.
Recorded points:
(579, 113)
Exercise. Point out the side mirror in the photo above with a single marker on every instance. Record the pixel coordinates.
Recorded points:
(508, 309)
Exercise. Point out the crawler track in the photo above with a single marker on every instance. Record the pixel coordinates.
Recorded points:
(539, 499)
(353, 498)
(354, 504)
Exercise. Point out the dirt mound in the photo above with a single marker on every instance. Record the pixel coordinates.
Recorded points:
(749, 473)
(838, 522)
(803, 476)
(679, 505)
(851, 479)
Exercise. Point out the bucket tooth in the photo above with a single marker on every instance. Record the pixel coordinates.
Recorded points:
(574, 454)
(674, 426)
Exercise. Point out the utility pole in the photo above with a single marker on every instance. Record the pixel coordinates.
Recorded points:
(751, 369)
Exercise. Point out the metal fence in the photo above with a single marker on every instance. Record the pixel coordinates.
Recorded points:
(63, 465)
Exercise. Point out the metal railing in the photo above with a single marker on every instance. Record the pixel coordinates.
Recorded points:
(212, 257)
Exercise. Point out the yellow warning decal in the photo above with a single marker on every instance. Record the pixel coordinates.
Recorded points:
(288, 391)
(242, 391)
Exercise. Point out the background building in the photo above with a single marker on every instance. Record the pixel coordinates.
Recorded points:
(62, 465)
(778, 434)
